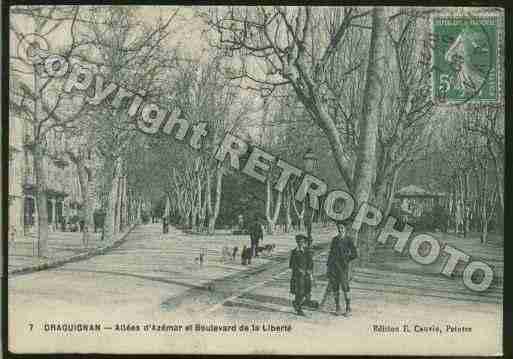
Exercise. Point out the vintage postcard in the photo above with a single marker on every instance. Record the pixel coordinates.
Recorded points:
(256, 180)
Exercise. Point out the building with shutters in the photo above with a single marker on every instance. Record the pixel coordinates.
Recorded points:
(63, 189)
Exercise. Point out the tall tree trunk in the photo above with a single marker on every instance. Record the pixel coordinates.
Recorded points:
(183, 209)
(119, 203)
(272, 217)
(110, 217)
(391, 193)
(125, 201)
(461, 204)
(215, 213)
(484, 214)
(139, 212)
(371, 107)
(194, 212)
(208, 199)
(498, 177)
(300, 215)
(380, 196)
(40, 177)
(203, 211)
(199, 203)
(187, 219)
(288, 218)
(466, 211)
(83, 179)
(451, 206)
(91, 190)
(128, 209)
(41, 201)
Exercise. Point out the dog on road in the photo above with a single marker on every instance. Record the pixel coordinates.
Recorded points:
(202, 257)
(267, 249)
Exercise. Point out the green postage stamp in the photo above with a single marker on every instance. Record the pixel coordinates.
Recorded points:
(465, 58)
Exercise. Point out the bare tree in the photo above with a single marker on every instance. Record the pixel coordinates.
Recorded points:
(405, 126)
(488, 122)
(38, 98)
(294, 46)
(132, 62)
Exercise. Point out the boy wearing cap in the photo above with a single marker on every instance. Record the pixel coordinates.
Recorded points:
(342, 252)
(301, 263)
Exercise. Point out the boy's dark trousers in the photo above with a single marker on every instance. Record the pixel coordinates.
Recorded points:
(300, 282)
(299, 300)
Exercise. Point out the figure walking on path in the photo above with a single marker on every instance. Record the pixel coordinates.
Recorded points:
(255, 235)
(165, 225)
(301, 263)
(342, 252)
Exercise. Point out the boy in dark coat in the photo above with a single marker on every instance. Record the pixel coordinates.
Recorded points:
(342, 252)
(301, 263)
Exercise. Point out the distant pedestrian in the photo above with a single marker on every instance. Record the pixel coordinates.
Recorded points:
(203, 256)
(459, 218)
(240, 223)
(301, 263)
(234, 253)
(165, 225)
(245, 256)
(12, 236)
(342, 252)
(99, 220)
(256, 235)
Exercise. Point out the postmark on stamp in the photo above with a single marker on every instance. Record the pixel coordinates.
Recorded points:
(465, 59)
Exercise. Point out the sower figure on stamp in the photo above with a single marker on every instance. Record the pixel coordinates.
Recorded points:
(342, 252)
(301, 263)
